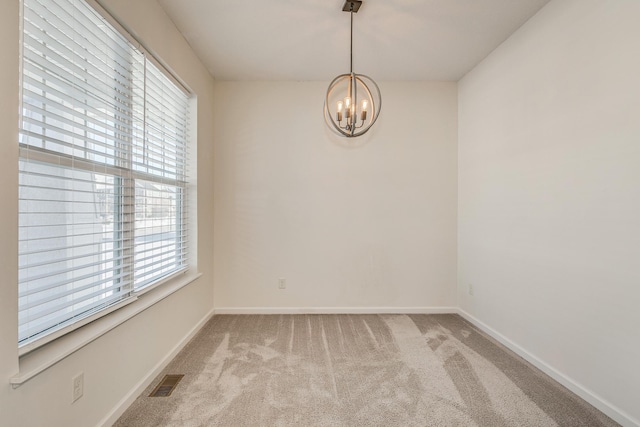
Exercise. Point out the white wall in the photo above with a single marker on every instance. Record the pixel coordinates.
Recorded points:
(116, 362)
(549, 194)
(366, 223)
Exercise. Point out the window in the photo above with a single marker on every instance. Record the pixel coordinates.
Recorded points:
(103, 169)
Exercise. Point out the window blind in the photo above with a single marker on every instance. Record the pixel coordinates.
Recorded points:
(102, 169)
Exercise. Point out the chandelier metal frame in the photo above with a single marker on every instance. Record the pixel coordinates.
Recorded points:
(347, 120)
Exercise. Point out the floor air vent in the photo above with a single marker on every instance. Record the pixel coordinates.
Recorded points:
(166, 386)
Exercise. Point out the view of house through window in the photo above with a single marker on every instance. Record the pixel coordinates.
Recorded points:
(103, 169)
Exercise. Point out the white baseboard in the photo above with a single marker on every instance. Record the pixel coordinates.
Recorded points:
(334, 310)
(128, 399)
(604, 406)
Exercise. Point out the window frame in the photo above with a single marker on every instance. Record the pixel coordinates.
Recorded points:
(104, 320)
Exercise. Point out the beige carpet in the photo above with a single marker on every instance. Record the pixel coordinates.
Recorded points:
(355, 370)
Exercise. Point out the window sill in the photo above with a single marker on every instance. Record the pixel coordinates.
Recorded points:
(36, 361)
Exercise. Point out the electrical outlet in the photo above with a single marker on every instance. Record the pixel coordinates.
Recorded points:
(470, 289)
(282, 283)
(78, 386)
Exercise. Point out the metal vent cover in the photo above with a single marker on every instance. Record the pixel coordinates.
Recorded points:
(166, 386)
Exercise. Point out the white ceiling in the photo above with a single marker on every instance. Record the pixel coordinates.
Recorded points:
(309, 39)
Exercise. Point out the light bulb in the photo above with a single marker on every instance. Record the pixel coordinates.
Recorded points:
(363, 113)
(339, 106)
(347, 102)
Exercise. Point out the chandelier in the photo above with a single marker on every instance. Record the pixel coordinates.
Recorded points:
(353, 101)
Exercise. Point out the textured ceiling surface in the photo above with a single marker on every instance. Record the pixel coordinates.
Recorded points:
(309, 39)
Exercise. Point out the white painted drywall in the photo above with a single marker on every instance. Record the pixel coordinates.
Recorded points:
(365, 222)
(116, 362)
(549, 193)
